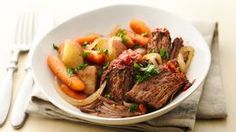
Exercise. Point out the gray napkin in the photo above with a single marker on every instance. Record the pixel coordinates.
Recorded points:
(207, 102)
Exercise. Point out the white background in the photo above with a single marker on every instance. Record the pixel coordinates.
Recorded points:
(224, 11)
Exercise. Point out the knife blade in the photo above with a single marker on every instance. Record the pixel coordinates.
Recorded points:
(44, 22)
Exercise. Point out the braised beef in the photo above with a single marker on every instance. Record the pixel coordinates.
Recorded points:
(161, 40)
(159, 89)
(176, 45)
(105, 107)
(120, 75)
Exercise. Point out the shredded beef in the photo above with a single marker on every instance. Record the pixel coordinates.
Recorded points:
(105, 107)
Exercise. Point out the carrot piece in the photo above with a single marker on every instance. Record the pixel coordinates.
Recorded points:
(139, 27)
(94, 56)
(130, 43)
(72, 93)
(142, 108)
(87, 39)
(59, 69)
(138, 39)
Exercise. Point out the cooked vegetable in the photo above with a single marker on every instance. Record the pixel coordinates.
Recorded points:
(144, 73)
(133, 107)
(70, 71)
(55, 47)
(87, 39)
(154, 58)
(186, 50)
(138, 39)
(139, 27)
(164, 53)
(89, 76)
(94, 56)
(90, 99)
(122, 34)
(115, 48)
(59, 69)
(71, 55)
(72, 93)
(99, 43)
(142, 108)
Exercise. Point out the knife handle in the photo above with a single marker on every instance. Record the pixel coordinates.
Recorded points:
(18, 112)
(5, 94)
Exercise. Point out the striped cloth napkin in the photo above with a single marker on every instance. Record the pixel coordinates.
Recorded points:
(207, 102)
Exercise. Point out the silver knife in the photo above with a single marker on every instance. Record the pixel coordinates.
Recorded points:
(44, 22)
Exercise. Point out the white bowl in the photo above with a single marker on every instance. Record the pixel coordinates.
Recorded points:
(103, 20)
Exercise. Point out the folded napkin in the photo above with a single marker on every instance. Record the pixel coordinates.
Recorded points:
(207, 102)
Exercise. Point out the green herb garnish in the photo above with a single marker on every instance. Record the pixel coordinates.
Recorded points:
(70, 71)
(122, 34)
(143, 73)
(81, 67)
(55, 47)
(133, 107)
(106, 65)
(100, 72)
(164, 53)
(85, 54)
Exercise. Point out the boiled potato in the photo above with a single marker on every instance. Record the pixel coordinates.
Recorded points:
(71, 54)
(88, 76)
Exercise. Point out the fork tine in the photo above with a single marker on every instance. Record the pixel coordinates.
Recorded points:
(18, 28)
(30, 28)
(25, 28)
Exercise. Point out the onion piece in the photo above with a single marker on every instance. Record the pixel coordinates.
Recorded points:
(153, 58)
(185, 65)
(90, 99)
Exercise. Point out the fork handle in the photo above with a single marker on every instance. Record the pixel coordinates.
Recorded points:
(14, 56)
(5, 94)
(18, 111)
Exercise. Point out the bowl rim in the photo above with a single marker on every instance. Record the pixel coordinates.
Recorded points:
(132, 120)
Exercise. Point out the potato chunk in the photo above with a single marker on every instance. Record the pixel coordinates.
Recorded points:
(71, 54)
(89, 77)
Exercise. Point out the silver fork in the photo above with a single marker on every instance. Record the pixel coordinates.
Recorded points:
(23, 39)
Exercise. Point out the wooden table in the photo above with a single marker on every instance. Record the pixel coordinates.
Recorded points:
(221, 10)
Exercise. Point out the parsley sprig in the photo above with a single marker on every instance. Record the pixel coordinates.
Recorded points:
(55, 47)
(164, 53)
(143, 73)
(133, 107)
(122, 34)
(72, 71)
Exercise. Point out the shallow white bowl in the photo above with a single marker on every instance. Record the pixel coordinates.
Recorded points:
(103, 20)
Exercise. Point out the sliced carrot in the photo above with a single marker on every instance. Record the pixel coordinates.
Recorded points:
(87, 39)
(94, 56)
(59, 69)
(72, 93)
(139, 27)
(130, 43)
(138, 39)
